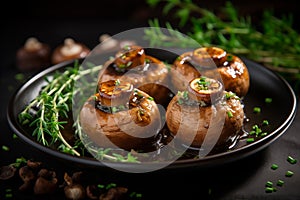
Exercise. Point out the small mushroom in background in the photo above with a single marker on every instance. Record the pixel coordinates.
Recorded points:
(69, 50)
(46, 182)
(108, 43)
(34, 55)
(28, 177)
(73, 189)
(7, 172)
(114, 193)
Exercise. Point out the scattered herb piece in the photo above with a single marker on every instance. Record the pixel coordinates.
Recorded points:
(8, 195)
(280, 183)
(268, 100)
(291, 160)
(274, 166)
(289, 173)
(250, 140)
(5, 148)
(19, 77)
(256, 109)
(269, 184)
(265, 122)
(270, 189)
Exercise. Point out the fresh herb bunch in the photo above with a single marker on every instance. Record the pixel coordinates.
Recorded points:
(49, 111)
(273, 43)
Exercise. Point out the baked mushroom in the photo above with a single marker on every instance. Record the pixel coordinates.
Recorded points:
(231, 68)
(69, 50)
(120, 116)
(205, 115)
(145, 72)
(34, 55)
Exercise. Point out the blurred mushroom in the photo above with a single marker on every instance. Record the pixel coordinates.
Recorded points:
(27, 175)
(73, 190)
(46, 183)
(114, 193)
(6, 172)
(33, 55)
(110, 44)
(69, 50)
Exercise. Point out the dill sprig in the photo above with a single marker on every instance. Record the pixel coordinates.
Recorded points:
(273, 43)
(45, 113)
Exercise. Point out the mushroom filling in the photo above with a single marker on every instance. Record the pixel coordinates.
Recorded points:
(201, 91)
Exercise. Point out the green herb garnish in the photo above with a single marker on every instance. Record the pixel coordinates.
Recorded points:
(274, 166)
(291, 160)
(45, 111)
(273, 42)
(289, 173)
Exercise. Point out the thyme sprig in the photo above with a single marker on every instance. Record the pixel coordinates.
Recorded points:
(45, 112)
(273, 42)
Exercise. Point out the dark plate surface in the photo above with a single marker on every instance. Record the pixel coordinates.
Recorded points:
(263, 84)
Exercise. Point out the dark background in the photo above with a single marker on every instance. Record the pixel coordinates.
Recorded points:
(52, 21)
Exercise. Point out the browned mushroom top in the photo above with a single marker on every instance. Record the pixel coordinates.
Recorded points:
(212, 61)
(130, 57)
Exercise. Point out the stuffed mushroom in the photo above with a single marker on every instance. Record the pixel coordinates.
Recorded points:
(120, 116)
(203, 61)
(145, 72)
(205, 115)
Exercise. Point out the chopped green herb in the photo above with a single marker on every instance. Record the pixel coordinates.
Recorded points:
(274, 166)
(280, 183)
(229, 114)
(19, 77)
(263, 134)
(111, 185)
(229, 58)
(256, 110)
(100, 186)
(15, 136)
(269, 184)
(138, 195)
(270, 189)
(5, 148)
(117, 82)
(291, 160)
(268, 100)
(8, 195)
(265, 122)
(249, 140)
(228, 95)
(8, 190)
(151, 98)
(289, 173)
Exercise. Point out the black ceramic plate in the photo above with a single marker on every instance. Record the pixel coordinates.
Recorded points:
(264, 84)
